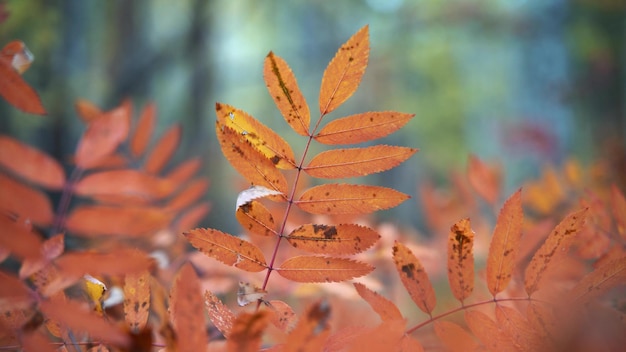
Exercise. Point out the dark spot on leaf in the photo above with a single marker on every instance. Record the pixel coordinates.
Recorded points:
(275, 159)
(408, 269)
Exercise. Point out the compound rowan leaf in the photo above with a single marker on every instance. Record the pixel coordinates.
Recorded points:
(124, 185)
(86, 110)
(227, 248)
(26, 202)
(103, 136)
(18, 239)
(486, 180)
(283, 87)
(504, 244)
(31, 164)
(102, 220)
(362, 127)
(143, 131)
(461, 259)
(386, 310)
(344, 72)
(339, 239)
(454, 337)
(137, 300)
(553, 249)
(354, 162)
(187, 311)
(256, 218)
(599, 281)
(221, 316)
(247, 331)
(348, 199)
(312, 329)
(414, 278)
(487, 331)
(163, 150)
(248, 161)
(271, 145)
(322, 269)
(15, 90)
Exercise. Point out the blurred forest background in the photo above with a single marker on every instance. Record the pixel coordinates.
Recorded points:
(523, 83)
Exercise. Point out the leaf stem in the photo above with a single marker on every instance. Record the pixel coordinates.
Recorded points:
(64, 202)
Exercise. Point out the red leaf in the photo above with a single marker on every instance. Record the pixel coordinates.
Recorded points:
(48, 250)
(31, 164)
(163, 151)
(322, 269)
(187, 311)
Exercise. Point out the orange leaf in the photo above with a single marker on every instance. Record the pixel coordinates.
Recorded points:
(514, 324)
(454, 337)
(599, 281)
(618, 204)
(31, 164)
(414, 277)
(14, 294)
(221, 316)
(101, 220)
(344, 72)
(191, 218)
(339, 239)
(484, 179)
(163, 151)
(271, 145)
(362, 127)
(247, 331)
(15, 90)
(284, 317)
(386, 309)
(356, 162)
(488, 332)
(185, 170)
(283, 87)
(102, 137)
(348, 199)
(387, 336)
(28, 203)
(227, 248)
(248, 161)
(137, 300)
(187, 311)
(256, 218)
(311, 330)
(86, 110)
(124, 184)
(143, 131)
(49, 250)
(504, 244)
(36, 341)
(191, 192)
(461, 259)
(74, 315)
(554, 248)
(322, 269)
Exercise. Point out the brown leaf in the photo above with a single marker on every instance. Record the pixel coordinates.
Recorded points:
(598, 282)
(414, 278)
(322, 269)
(488, 332)
(227, 248)
(348, 199)
(31, 164)
(143, 131)
(18, 239)
(344, 72)
(29, 203)
(454, 337)
(386, 309)
(554, 248)
(86, 110)
(311, 330)
(126, 185)
(339, 239)
(271, 145)
(256, 218)
(283, 87)
(49, 250)
(247, 331)
(137, 300)
(102, 137)
(362, 127)
(187, 311)
(221, 316)
(354, 162)
(101, 220)
(248, 161)
(163, 151)
(504, 244)
(461, 259)
(486, 180)
(15, 90)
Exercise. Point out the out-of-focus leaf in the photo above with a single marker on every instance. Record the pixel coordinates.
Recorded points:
(30, 163)
(163, 151)
(143, 131)
(461, 259)
(18, 199)
(414, 278)
(187, 311)
(100, 220)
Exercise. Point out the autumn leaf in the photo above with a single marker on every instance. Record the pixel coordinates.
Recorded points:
(27, 202)
(256, 218)
(227, 248)
(348, 199)
(185, 170)
(247, 331)
(322, 269)
(354, 162)
(386, 336)
(461, 259)
(102, 220)
(248, 161)
(555, 247)
(518, 328)
(187, 311)
(163, 150)
(48, 250)
(339, 239)
(386, 309)
(143, 131)
(17, 55)
(271, 145)
(414, 278)
(484, 179)
(137, 300)
(454, 337)
(31, 164)
(488, 332)
(312, 329)
(192, 191)
(618, 204)
(191, 217)
(221, 316)
(125, 185)
(362, 127)
(283, 87)
(344, 72)
(284, 317)
(18, 239)
(14, 293)
(13, 88)
(598, 282)
(86, 110)
(504, 244)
